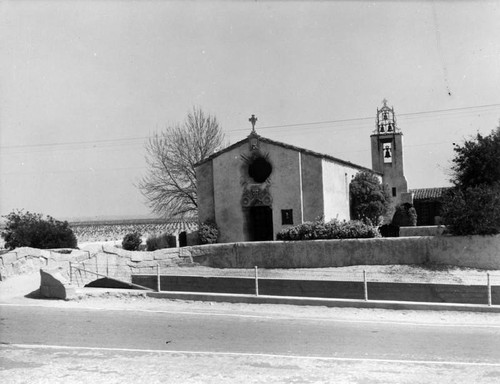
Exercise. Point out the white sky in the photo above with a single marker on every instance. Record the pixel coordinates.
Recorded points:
(83, 84)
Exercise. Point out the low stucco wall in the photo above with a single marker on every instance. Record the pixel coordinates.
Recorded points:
(471, 251)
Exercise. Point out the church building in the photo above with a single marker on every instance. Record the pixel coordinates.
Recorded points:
(257, 186)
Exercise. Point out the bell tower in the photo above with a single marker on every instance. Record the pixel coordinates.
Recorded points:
(387, 154)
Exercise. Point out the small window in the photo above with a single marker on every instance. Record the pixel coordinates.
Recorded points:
(393, 191)
(287, 216)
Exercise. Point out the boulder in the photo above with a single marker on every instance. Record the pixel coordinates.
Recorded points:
(54, 285)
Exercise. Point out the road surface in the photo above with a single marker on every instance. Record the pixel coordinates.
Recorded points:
(57, 344)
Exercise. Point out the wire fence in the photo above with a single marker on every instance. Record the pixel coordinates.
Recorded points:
(405, 275)
(486, 279)
(92, 269)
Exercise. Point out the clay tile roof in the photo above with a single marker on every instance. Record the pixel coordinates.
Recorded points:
(428, 193)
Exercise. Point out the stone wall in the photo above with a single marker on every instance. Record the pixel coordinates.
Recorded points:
(103, 259)
(27, 260)
(471, 251)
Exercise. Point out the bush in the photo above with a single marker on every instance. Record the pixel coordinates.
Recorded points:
(405, 216)
(26, 229)
(208, 233)
(319, 230)
(389, 230)
(132, 241)
(473, 211)
(166, 240)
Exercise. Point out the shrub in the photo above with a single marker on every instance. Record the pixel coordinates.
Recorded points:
(132, 241)
(26, 229)
(165, 240)
(389, 230)
(208, 233)
(472, 211)
(405, 216)
(319, 230)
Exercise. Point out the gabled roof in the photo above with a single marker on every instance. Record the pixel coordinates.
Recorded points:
(428, 193)
(287, 146)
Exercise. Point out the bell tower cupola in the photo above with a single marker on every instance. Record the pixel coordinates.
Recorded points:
(387, 153)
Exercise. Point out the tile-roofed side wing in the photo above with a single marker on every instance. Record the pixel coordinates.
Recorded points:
(428, 193)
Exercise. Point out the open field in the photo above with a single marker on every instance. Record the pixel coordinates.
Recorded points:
(114, 231)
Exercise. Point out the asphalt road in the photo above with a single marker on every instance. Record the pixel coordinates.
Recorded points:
(386, 351)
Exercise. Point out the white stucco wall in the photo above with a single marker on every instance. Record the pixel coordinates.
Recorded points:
(336, 180)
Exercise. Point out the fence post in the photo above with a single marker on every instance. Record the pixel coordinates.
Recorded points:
(158, 276)
(256, 281)
(70, 273)
(489, 288)
(107, 266)
(365, 285)
(96, 265)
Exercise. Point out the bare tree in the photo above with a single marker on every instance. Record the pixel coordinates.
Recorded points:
(170, 185)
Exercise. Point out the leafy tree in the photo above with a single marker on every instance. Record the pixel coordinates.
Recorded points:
(170, 185)
(477, 162)
(473, 210)
(370, 200)
(26, 229)
(472, 206)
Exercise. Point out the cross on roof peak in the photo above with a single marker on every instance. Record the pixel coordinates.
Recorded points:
(253, 120)
(385, 102)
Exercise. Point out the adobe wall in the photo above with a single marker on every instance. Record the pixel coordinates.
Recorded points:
(481, 252)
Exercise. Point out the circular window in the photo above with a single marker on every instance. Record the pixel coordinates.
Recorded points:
(260, 169)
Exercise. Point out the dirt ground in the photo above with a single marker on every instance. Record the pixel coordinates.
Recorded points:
(58, 365)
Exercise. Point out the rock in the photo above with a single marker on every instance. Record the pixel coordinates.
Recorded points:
(54, 285)
(9, 258)
(137, 257)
